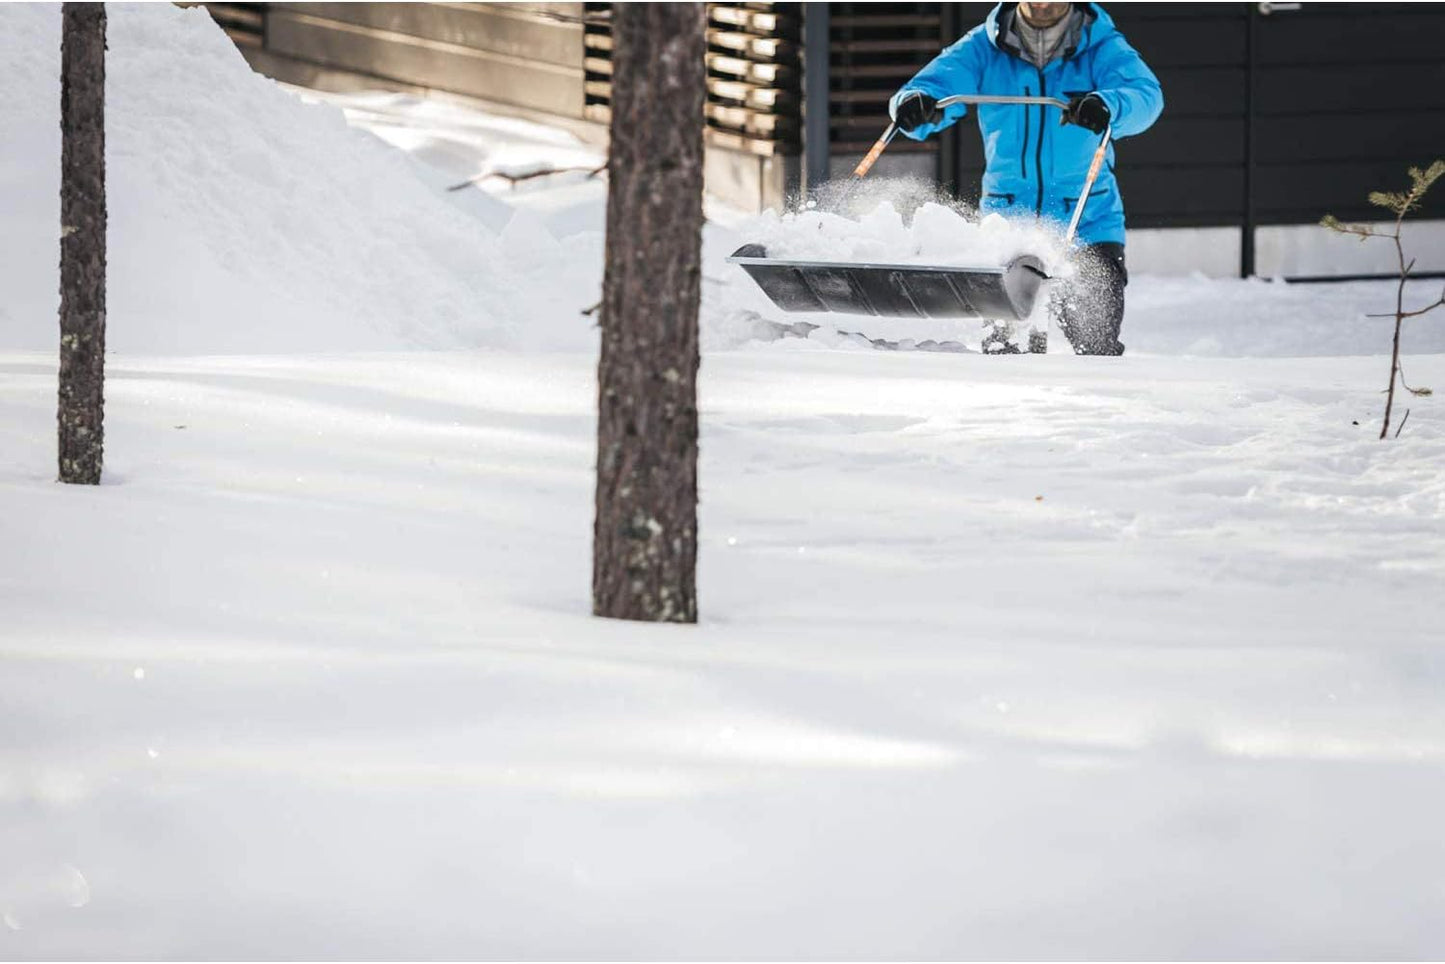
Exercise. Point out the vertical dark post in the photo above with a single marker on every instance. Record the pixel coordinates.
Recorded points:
(82, 242)
(949, 155)
(645, 535)
(1246, 238)
(817, 148)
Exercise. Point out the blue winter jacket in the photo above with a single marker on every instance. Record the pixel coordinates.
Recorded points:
(1035, 165)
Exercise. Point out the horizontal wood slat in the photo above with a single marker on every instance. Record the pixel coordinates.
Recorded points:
(873, 50)
(516, 30)
(754, 75)
(428, 63)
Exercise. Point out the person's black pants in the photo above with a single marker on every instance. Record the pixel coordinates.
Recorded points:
(1089, 307)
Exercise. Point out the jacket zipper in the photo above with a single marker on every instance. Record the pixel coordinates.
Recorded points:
(1024, 148)
(1007, 197)
(1039, 151)
(1068, 201)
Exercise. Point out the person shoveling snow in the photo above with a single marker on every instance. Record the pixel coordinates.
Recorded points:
(1038, 167)
(1035, 173)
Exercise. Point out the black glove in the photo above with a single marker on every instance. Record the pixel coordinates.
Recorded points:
(916, 109)
(1087, 110)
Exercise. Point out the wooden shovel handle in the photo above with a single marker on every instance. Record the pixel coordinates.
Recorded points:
(875, 152)
(1094, 166)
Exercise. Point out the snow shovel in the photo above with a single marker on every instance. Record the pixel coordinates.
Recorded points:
(997, 292)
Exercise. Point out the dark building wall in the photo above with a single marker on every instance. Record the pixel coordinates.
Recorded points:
(1292, 113)
(1275, 113)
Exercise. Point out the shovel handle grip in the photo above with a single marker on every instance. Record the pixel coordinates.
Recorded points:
(875, 152)
(1094, 166)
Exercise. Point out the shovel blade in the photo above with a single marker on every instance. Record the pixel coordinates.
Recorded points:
(1007, 292)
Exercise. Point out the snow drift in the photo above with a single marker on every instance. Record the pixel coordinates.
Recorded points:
(242, 219)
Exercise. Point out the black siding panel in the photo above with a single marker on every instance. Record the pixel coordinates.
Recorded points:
(1293, 193)
(1197, 43)
(1402, 136)
(1185, 140)
(1334, 91)
(1169, 194)
(1333, 34)
(1203, 91)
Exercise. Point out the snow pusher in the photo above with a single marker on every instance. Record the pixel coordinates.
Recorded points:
(1000, 292)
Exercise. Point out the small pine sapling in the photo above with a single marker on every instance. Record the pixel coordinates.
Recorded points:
(1400, 203)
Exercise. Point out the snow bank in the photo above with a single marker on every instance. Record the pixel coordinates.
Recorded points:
(243, 220)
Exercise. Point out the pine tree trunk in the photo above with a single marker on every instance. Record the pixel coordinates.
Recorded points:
(82, 242)
(645, 537)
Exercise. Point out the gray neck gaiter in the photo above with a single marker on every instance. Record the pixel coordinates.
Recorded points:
(1040, 45)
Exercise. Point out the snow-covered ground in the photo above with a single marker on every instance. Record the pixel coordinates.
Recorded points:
(1000, 657)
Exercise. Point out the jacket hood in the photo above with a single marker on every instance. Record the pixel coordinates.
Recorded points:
(1097, 25)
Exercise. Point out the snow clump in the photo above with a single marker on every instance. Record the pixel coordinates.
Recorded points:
(936, 234)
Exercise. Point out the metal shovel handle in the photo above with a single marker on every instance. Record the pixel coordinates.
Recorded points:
(1002, 99)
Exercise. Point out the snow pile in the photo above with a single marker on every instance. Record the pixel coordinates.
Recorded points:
(934, 234)
(243, 220)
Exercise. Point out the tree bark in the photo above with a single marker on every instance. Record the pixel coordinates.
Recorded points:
(82, 243)
(645, 535)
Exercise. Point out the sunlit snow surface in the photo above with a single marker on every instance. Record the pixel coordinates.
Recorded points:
(1016, 657)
